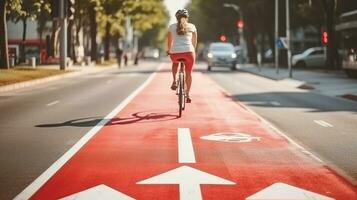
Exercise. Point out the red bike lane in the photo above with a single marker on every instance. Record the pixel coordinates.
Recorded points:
(217, 150)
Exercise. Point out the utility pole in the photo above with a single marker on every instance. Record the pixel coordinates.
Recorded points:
(63, 35)
(288, 38)
(276, 36)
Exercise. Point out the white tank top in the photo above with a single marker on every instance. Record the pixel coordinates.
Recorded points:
(182, 43)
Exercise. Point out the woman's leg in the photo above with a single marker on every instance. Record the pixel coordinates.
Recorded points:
(174, 71)
(190, 60)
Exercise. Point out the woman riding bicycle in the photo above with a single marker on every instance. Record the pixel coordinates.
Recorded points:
(181, 44)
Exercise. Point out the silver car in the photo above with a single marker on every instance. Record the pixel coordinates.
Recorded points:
(311, 57)
(221, 55)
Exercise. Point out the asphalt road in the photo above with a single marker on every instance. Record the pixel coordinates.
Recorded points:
(326, 126)
(39, 124)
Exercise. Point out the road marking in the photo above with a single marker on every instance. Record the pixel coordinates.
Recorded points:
(45, 176)
(323, 123)
(281, 191)
(274, 128)
(189, 180)
(230, 137)
(52, 103)
(186, 153)
(109, 81)
(99, 192)
(275, 103)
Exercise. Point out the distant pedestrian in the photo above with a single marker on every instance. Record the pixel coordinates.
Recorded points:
(125, 59)
(137, 57)
(119, 54)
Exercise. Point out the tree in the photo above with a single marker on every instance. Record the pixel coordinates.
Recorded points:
(6, 6)
(30, 9)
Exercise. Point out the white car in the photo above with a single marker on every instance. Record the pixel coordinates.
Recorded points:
(221, 54)
(151, 53)
(311, 57)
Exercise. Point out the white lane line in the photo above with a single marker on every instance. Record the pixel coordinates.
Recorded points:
(45, 176)
(52, 103)
(186, 153)
(323, 123)
(275, 103)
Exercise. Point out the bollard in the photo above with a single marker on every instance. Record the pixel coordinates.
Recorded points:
(33, 62)
(12, 62)
(101, 60)
(88, 61)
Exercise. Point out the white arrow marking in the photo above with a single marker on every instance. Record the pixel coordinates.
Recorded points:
(186, 153)
(189, 180)
(99, 192)
(231, 137)
(281, 191)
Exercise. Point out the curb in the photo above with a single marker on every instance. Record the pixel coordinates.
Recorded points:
(34, 82)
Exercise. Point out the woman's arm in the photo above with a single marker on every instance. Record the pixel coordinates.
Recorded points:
(194, 39)
(169, 41)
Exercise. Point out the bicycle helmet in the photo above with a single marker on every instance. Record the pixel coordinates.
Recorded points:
(181, 13)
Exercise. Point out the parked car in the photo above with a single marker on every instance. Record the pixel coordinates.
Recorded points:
(221, 55)
(311, 57)
(150, 52)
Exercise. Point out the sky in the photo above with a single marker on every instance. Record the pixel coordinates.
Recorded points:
(173, 6)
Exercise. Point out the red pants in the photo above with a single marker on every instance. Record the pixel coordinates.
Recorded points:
(189, 58)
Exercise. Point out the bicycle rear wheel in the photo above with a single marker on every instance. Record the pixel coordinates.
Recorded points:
(181, 94)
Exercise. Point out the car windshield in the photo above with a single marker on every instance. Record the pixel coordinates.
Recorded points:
(221, 48)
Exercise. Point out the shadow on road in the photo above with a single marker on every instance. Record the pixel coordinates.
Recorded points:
(306, 100)
(139, 117)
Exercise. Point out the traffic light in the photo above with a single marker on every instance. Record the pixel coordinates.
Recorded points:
(240, 24)
(324, 37)
(71, 9)
(223, 38)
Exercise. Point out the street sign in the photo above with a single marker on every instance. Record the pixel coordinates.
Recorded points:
(282, 43)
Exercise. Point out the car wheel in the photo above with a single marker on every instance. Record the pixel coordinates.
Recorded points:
(209, 68)
(301, 64)
(233, 67)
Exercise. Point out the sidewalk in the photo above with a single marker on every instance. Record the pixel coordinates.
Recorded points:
(327, 82)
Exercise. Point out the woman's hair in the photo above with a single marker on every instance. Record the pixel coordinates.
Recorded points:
(181, 28)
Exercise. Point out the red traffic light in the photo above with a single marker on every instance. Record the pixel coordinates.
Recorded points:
(223, 38)
(240, 24)
(324, 38)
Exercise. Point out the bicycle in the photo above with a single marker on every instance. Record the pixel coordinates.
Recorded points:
(181, 87)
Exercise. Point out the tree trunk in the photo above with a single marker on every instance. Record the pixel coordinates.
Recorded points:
(107, 41)
(4, 54)
(93, 32)
(22, 46)
(69, 39)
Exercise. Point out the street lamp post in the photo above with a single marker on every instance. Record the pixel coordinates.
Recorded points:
(240, 30)
(276, 36)
(288, 38)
